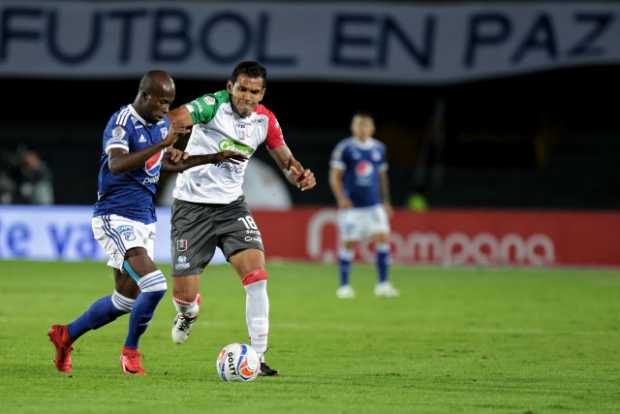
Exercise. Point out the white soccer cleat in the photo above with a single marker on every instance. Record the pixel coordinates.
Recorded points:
(345, 292)
(182, 327)
(386, 290)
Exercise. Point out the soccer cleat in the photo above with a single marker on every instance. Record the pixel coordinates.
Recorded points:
(345, 292)
(265, 371)
(131, 362)
(386, 290)
(59, 335)
(182, 327)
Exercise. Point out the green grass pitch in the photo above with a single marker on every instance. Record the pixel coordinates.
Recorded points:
(456, 341)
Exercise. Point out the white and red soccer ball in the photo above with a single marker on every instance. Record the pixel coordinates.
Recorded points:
(238, 362)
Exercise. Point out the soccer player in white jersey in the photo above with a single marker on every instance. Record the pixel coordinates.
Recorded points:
(137, 144)
(209, 208)
(358, 178)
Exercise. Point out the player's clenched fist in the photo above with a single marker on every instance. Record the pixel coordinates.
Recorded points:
(176, 130)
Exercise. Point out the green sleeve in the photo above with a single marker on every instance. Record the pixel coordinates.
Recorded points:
(203, 109)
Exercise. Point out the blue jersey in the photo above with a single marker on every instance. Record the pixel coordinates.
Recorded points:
(130, 194)
(361, 163)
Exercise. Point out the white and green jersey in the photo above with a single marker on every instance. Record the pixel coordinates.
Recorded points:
(216, 128)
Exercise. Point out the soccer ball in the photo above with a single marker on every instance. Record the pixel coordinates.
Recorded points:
(238, 362)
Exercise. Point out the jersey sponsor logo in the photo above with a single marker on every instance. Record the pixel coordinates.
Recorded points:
(127, 232)
(364, 169)
(153, 164)
(232, 145)
(142, 140)
(151, 180)
(209, 100)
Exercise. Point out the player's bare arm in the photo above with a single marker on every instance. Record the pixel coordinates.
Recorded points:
(120, 160)
(384, 185)
(195, 160)
(335, 183)
(296, 174)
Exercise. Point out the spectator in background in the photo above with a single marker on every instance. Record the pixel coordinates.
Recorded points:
(32, 179)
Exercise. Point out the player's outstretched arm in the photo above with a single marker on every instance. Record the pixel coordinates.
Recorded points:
(295, 173)
(119, 160)
(195, 160)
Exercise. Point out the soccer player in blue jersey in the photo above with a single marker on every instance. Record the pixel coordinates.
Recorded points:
(137, 144)
(358, 178)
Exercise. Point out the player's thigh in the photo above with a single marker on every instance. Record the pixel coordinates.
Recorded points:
(378, 224)
(193, 238)
(125, 285)
(350, 228)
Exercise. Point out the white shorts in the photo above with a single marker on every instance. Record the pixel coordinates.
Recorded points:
(362, 222)
(117, 234)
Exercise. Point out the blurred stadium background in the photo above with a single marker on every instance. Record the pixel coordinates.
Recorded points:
(490, 105)
(501, 122)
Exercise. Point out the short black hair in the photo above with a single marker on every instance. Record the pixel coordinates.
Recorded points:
(363, 114)
(251, 69)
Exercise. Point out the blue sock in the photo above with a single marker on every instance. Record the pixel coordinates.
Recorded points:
(100, 313)
(345, 258)
(153, 287)
(383, 261)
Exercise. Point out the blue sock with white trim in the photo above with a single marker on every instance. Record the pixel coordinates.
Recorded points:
(100, 313)
(382, 261)
(345, 258)
(152, 288)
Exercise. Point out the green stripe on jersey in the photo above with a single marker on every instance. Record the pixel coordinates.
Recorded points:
(203, 109)
(232, 145)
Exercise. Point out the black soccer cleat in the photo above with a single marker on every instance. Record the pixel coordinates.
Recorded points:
(265, 371)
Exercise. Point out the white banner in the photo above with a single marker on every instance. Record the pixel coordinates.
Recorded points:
(64, 233)
(335, 41)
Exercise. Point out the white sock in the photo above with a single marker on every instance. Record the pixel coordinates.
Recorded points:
(188, 308)
(257, 315)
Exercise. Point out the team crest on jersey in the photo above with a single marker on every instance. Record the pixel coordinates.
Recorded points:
(118, 132)
(153, 164)
(127, 232)
(182, 245)
(164, 132)
(375, 156)
(363, 168)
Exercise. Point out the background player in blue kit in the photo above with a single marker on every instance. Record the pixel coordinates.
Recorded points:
(358, 178)
(137, 144)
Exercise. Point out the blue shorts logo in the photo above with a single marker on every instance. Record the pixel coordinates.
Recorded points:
(126, 232)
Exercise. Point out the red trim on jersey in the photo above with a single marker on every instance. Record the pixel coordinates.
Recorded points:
(255, 276)
(275, 137)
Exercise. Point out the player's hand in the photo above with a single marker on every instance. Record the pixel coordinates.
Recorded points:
(175, 130)
(388, 209)
(344, 202)
(301, 177)
(176, 155)
(232, 157)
